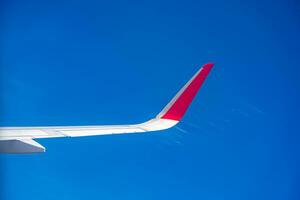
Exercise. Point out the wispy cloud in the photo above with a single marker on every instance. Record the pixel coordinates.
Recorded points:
(181, 130)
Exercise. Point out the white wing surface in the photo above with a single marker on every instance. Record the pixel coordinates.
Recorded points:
(20, 139)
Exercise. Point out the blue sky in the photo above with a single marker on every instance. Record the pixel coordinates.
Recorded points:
(93, 62)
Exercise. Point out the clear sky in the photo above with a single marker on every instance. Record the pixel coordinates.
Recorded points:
(113, 62)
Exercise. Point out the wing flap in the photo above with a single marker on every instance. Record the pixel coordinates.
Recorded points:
(21, 146)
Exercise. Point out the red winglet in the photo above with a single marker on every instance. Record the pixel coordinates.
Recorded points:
(180, 103)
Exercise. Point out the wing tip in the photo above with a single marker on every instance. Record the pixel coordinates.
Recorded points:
(177, 107)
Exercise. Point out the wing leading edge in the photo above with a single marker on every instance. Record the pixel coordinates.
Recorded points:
(20, 139)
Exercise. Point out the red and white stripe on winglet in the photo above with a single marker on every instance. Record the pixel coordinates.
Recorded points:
(180, 103)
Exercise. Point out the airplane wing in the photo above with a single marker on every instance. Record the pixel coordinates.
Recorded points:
(21, 139)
